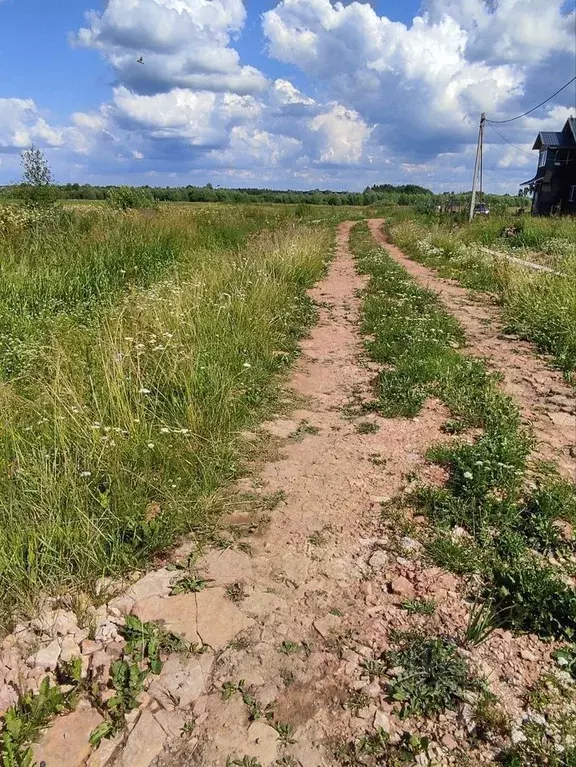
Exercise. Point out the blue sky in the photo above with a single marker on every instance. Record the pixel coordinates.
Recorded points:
(281, 93)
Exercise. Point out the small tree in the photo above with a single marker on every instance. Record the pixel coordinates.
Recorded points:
(37, 184)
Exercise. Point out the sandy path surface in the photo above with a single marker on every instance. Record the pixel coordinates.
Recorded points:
(546, 401)
(305, 578)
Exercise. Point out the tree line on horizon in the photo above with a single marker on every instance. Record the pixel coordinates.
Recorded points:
(401, 194)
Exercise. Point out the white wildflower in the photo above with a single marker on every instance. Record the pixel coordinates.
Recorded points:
(468, 475)
(144, 391)
(85, 473)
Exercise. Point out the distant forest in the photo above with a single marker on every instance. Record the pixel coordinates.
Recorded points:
(404, 194)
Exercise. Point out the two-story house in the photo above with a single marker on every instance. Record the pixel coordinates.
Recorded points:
(554, 185)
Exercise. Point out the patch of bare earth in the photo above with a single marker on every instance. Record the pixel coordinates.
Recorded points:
(547, 402)
(294, 608)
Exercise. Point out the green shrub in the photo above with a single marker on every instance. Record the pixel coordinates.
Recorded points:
(129, 197)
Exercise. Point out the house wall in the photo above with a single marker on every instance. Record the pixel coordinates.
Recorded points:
(553, 184)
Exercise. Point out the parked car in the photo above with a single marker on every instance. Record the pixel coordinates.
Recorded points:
(481, 209)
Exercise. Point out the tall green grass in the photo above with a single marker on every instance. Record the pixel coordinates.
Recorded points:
(63, 266)
(118, 438)
(538, 307)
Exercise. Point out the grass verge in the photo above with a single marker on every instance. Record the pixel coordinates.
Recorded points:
(516, 523)
(119, 437)
(538, 307)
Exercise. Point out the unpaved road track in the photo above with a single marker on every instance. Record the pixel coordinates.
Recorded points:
(313, 577)
(546, 401)
(311, 559)
(323, 584)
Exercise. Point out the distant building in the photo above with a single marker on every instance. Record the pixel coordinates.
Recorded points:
(554, 185)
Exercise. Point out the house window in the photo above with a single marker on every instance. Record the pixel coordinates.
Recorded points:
(572, 196)
(543, 158)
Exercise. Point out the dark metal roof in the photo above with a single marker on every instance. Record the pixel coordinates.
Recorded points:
(554, 139)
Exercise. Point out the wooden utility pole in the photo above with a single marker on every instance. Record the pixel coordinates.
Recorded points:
(478, 170)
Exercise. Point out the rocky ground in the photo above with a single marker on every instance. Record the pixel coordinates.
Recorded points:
(310, 578)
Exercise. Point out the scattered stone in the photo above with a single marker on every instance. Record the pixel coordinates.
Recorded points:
(402, 587)
(100, 663)
(527, 655)
(378, 559)
(105, 752)
(179, 684)
(105, 632)
(123, 604)
(70, 649)
(450, 743)
(327, 625)
(115, 649)
(47, 658)
(409, 544)
(8, 697)
(382, 721)
(178, 613)
(145, 742)
(89, 646)
(262, 743)
(153, 584)
(565, 529)
(379, 500)
(56, 623)
(218, 619)
(65, 743)
(372, 690)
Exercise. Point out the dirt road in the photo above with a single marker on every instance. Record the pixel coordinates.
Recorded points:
(304, 596)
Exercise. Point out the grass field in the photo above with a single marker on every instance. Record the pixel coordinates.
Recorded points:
(538, 307)
(133, 350)
(135, 347)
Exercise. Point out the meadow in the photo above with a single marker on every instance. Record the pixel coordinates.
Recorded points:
(537, 306)
(136, 346)
(134, 349)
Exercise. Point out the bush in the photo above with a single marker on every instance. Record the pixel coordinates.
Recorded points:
(130, 197)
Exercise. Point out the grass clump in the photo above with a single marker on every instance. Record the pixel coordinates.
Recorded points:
(121, 435)
(430, 675)
(419, 606)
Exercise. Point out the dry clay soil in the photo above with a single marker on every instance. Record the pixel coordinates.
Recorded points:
(326, 574)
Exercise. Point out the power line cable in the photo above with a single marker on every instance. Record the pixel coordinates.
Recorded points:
(509, 142)
(511, 119)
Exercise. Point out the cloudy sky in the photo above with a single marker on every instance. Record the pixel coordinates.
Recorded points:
(281, 93)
